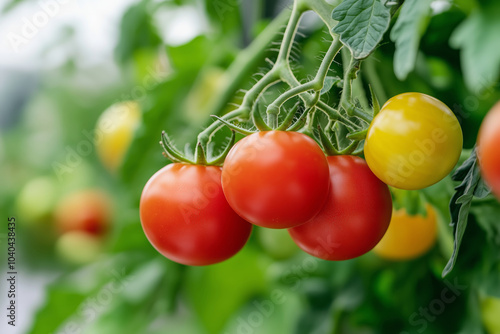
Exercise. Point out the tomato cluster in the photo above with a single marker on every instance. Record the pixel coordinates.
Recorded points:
(335, 208)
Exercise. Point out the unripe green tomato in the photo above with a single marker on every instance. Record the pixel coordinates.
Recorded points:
(77, 247)
(277, 243)
(36, 200)
(414, 142)
(490, 313)
(114, 132)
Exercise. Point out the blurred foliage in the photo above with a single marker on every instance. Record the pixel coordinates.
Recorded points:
(132, 289)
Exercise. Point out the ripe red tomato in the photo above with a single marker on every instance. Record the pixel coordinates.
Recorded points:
(355, 216)
(87, 211)
(186, 217)
(488, 143)
(276, 179)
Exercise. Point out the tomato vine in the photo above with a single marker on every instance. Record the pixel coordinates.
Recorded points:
(308, 92)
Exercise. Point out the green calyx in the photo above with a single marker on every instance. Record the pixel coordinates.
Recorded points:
(200, 155)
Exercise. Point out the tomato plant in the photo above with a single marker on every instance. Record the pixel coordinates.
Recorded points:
(355, 217)
(488, 142)
(414, 142)
(255, 104)
(408, 236)
(114, 132)
(276, 179)
(186, 217)
(88, 211)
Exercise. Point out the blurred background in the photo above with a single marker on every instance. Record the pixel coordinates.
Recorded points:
(73, 168)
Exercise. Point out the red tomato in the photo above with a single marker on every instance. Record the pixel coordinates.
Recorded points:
(276, 179)
(87, 211)
(355, 216)
(488, 153)
(186, 217)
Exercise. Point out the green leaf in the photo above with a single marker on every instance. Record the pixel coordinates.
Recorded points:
(477, 38)
(472, 322)
(67, 296)
(489, 281)
(190, 56)
(137, 31)
(409, 28)
(329, 83)
(362, 24)
(159, 114)
(278, 317)
(487, 217)
(351, 295)
(461, 203)
(130, 237)
(240, 277)
(132, 308)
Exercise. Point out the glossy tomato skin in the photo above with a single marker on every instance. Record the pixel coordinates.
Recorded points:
(276, 179)
(408, 237)
(355, 217)
(414, 142)
(488, 149)
(186, 217)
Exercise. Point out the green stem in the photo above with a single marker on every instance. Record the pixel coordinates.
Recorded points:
(316, 84)
(247, 60)
(272, 119)
(334, 114)
(373, 78)
(323, 9)
(291, 80)
(360, 135)
(288, 37)
(269, 79)
(349, 75)
(310, 120)
(327, 62)
(288, 77)
(274, 108)
(346, 97)
(241, 65)
(205, 135)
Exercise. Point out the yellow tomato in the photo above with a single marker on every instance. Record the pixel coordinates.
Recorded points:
(408, 236)
(414, 142)
(114, 132)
